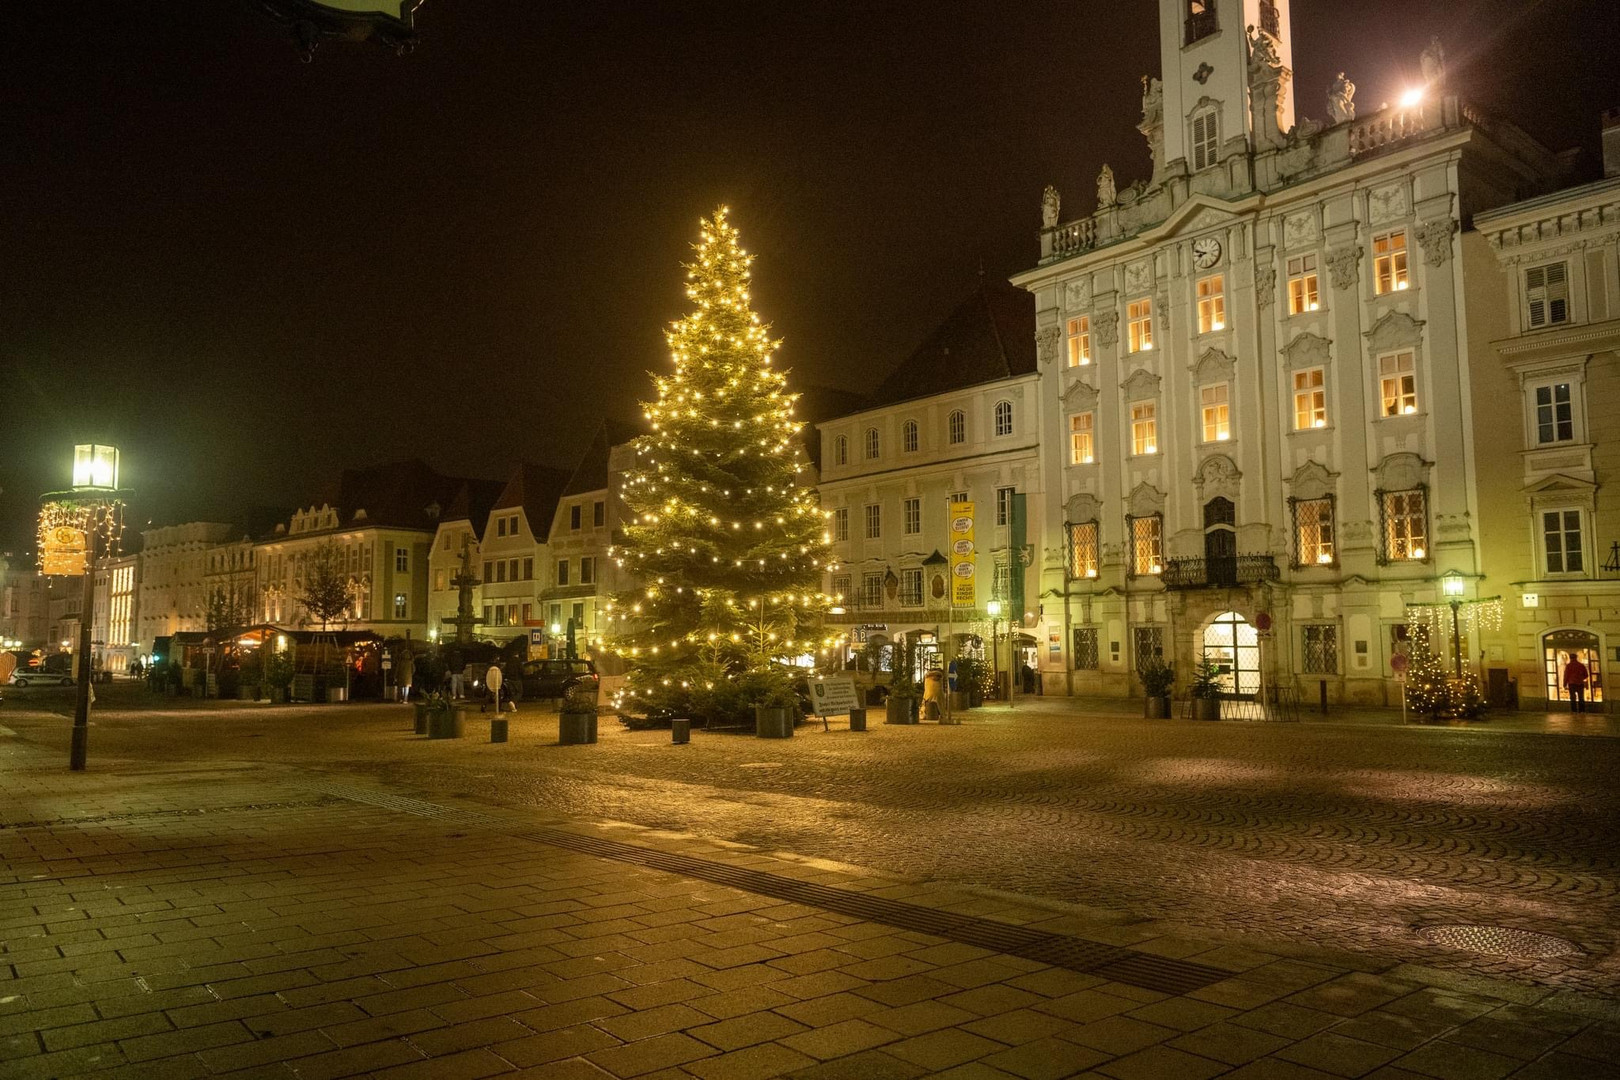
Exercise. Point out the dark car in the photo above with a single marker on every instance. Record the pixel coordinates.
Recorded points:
(574, 680)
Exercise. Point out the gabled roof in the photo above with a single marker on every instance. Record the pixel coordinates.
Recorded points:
(591, 474)
(472, 504)
(401, 494)
(990, 335)
(535, 489)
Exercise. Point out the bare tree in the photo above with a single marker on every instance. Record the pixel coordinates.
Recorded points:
(327, 593)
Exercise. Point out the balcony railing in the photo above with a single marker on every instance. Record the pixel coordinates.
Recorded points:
(1385, 128)
(1228, 572)
(1070, 238)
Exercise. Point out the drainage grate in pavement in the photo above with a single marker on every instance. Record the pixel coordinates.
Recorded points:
(189, 811)
(1499, 941)
(1127, 966)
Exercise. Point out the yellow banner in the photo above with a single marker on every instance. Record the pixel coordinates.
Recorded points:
(964, 556)
(63, 552)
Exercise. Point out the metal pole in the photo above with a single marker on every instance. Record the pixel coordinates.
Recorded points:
(1456, 638)
(81, 710)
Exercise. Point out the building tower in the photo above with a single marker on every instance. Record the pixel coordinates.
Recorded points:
(1225, 91)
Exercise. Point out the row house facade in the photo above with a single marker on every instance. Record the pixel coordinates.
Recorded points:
(1260, 359)
(114, 622)
(891, 475)
(1544, 336)
(172, 582)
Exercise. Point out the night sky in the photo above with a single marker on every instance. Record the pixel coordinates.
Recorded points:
(250, 272)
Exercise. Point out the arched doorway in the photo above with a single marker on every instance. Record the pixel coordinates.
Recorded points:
(1233, 645)
(1220, 542)
(1556, 649)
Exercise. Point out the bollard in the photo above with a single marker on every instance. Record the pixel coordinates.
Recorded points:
(1323, 685)
(497, 730)
(857, 719)
(680, 731)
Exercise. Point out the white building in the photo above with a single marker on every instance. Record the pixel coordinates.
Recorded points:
(172, 581)
(513, 552)
(1258, 360)
(1544, 328)
(959, 421)
(460, 529)
(579, 575)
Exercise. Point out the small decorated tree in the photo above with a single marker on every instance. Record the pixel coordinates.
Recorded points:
(726, 548)
(1430, 689)
(326, 594)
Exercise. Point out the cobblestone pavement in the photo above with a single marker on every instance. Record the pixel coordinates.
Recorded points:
(178, 918)
(1346, 835)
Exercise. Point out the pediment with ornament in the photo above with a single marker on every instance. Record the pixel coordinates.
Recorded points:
(1141, 385)
(1078, 397)
(1396, 330)
(1214, 366)
(1307, 350)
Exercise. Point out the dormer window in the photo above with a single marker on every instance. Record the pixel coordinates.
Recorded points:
(1546, 290)
(1200, 20)
(1205, 139)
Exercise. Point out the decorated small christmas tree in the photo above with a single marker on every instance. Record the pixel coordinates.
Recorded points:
(1425, 676)
(727, 550)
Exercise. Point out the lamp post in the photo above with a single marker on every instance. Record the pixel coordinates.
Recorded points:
(994, 610)
(1452, 585)
(76, 528)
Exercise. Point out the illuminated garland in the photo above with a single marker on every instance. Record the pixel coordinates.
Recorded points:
(100, 519)
(728, 547)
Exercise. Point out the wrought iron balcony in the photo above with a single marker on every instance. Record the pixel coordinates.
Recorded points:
(1201, 23)
(1228, 572)
(1269, 22)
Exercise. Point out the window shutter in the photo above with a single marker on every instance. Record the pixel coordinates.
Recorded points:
(1535, 290)
(1557, 293)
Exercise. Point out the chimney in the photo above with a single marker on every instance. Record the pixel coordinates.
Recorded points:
(1611, 142)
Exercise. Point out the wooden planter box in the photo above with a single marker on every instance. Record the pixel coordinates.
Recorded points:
(447, 723)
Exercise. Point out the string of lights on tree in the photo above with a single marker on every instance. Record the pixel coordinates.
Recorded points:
(1430, 689)
(727, 548)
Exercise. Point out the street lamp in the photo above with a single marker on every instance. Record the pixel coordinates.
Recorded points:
(1452, 584)
(993, 608)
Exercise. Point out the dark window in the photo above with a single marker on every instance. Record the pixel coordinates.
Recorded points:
(1200, 20)
(1147, 642)
(1321, 650)
(1085, 648)
(599, 514)
(573, 517)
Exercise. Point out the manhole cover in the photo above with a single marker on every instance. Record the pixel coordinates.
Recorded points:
(1499, 941)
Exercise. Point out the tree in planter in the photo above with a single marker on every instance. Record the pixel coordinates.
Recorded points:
(1430, 690)
(727, 549)
(326, 594)
(1157, 675)
(1205, 688)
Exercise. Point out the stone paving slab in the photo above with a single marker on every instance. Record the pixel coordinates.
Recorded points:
(245, 922)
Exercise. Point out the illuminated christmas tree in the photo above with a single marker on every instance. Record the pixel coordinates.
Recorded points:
(726, 548)
(1425, 676)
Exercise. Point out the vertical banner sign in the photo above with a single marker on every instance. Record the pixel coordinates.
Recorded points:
(64, 552)
(1017, 538)
(964, 556)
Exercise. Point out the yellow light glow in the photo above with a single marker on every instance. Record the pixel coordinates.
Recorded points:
(1411, 96)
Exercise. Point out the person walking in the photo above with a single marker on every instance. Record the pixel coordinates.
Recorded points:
(1575, 676)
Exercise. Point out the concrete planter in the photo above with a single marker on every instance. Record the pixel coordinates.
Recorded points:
(857, 719)
(336, 695)
(900, 710)
(1207, 708)
(447, 724)
(680, 731)
(772, 723)
(1156, 708)
(576, 728)
(421, 719)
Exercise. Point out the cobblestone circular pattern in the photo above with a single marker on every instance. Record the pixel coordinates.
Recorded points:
(1499, 941)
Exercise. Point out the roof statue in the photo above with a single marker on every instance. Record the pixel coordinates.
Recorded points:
(1433, 61)
(1152, 102)
(1342, 100)
(1049, 207)
(1107, 193)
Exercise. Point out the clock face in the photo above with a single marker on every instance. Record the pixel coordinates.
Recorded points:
(1206, 252)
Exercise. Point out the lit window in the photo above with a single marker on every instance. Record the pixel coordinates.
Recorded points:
(957, 423)
(1080, 341)
(1144, 429)
(1561, 531)
(1004, 502)
(1313, 532)
(874, 521)
(1302, 289)
(1205, 140)
(1397, 380)
(1211, 303)
(1389, 261)
(1147, 545)
(1139, 313)
(1406, 526)
(401, 606)
(1310, 399)
(913, 523)
(1080, 442)
(1083, 550)
(908, 437)
(841, 450)
(871, 443)
(1547, 294)
(1004, 418)
(1555, 419)
(841, 523)
(911, 587)
(1217, 413)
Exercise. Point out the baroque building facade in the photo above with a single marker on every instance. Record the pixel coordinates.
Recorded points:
(1258, 361)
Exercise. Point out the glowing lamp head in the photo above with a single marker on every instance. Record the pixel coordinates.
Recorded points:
(1418, 553)
(556, 628)
(95, 467)
(1411, 96)
(994, 609)
(1453, 584)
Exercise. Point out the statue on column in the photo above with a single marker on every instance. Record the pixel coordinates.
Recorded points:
(1264, 61)
(1050, 204)
(1107, 193)
(1152, 102)
(1342, 100)
(1433, 62)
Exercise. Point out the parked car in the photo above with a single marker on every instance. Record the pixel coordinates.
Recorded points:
(574, 680)
(36, 677)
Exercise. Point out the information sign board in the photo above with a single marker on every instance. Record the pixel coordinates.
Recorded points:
(833, 696)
